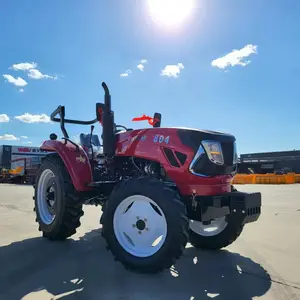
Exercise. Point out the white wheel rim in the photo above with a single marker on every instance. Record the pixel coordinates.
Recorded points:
(42, 202)
(215, 227)
(131, 215)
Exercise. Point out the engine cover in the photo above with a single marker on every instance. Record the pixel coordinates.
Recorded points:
(174, 149)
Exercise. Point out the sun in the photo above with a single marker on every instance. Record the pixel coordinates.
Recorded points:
(170, 13)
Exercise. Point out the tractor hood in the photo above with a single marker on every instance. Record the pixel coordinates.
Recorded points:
(193, 137)
(204, 163)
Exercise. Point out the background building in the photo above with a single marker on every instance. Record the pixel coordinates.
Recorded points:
(270, 162)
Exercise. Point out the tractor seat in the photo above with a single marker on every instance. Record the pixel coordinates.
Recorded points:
(122, 130)
(85, 140)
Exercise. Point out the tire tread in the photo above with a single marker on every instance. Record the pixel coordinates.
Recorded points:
(178, 210)
(70, 220)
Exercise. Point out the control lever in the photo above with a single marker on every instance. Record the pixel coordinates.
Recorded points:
(91, 144)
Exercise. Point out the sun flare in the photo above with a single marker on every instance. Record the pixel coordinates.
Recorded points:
(170, 12)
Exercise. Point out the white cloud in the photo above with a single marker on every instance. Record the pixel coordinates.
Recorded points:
(21, 90)
(172, 70)
(32, 71)
(126, 73)
(29, 118)
(141, 65)
(24, 137)
(20, 82)
(236, 57)
(27, 142)
(36, 74)
(8, 137)
(4, 118)
(24, 66)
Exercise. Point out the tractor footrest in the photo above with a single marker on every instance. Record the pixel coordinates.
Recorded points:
(99, 183)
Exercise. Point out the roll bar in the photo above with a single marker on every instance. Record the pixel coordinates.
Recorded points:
(60, 110)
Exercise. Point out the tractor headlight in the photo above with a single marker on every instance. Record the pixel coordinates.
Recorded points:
(213, 150)
(235, 155)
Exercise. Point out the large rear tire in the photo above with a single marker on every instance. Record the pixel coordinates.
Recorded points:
(58, 205)
(145, 225)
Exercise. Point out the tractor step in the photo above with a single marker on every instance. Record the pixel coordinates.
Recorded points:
(98, 183)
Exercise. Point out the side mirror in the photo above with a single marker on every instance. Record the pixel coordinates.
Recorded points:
(157, 120)
(100, 107)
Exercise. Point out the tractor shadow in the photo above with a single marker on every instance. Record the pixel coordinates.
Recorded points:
(83, 269)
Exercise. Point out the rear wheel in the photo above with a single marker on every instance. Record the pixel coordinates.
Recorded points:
(58, 206)
(145, 225)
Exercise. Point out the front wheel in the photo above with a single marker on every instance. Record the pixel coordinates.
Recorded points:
(145, 225)
(218, 234)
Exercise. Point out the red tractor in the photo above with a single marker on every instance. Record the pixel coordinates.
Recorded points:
(159, 188)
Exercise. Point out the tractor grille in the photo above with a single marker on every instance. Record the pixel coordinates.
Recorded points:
(181, 157)
(172, 155)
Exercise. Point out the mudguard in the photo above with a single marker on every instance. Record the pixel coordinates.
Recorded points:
(75, 160)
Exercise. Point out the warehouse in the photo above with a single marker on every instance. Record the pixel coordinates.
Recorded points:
(269, 162)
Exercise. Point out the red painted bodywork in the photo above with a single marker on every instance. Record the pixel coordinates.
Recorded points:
(79, 170)
(131, 144)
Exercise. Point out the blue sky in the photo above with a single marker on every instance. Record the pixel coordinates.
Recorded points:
(72, 46)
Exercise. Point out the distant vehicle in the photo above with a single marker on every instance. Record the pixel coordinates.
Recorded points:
(19, 164)
(278, 172)
(287, 170)
(283, 171)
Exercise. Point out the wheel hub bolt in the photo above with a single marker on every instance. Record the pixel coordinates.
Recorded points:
(140, 224)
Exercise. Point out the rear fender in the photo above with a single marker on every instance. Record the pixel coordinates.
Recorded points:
(75, 160)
